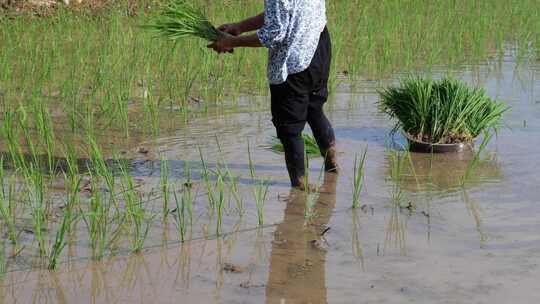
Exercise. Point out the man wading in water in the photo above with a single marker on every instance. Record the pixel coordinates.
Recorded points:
(295, 33)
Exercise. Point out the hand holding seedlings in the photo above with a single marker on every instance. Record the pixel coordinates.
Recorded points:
(232, 28)
(227, 42)
(224, 44)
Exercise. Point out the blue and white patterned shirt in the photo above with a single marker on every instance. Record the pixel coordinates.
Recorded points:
(291, 32)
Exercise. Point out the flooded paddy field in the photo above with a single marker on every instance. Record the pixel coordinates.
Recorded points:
(447, 240)
(134, 174)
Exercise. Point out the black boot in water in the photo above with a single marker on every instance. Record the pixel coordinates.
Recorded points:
(294, 159)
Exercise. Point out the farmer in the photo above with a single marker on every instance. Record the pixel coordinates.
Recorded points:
(295, 33)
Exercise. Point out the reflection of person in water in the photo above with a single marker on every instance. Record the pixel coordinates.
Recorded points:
(297, 261)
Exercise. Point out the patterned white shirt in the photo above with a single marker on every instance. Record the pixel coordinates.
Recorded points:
(291, 32)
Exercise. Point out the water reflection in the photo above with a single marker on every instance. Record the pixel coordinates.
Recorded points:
(297, 261)
(444, 172)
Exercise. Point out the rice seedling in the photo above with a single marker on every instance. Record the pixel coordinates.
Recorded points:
(260, 192)
(310, 145)
(36, 196)
(135, 212)
(187, 194)
(205, 175)
(60, 241)
(151, 109)
(181, 206)
(96, 220)
(164, 183)
(180, 19)
(23, 122)
(220, 202)
(102, 170)
(443, 111)
(5, 210)
(251, 166)
(233, 183)
(11, 135)
(44, 126)
(358, 178)
(2, 259)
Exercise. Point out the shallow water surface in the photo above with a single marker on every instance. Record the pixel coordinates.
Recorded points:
(446, 242)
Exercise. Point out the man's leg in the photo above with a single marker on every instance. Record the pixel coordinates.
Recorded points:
(290, 102)
(324, 134)
(319, 123)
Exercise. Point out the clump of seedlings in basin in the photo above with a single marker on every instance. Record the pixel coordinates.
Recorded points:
(442, 111)
(358, 178)
(180, 19)
(310, 145)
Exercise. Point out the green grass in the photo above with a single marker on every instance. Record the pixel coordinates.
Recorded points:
(441, 111)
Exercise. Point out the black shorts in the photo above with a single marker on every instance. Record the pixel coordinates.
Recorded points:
(302, 92)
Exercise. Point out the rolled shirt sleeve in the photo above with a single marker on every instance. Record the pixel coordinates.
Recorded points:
(276, 22)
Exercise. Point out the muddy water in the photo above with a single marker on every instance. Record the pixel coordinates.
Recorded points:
(445, 243)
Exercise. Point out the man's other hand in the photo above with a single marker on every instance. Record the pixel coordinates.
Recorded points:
(231, 28)
(224, 44)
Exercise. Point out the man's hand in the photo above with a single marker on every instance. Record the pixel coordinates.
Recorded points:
(224, 44)
(232, 28)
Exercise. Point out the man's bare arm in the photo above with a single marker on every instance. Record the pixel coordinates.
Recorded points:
(247, 25)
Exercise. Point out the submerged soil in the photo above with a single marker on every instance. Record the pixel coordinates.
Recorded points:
(446, 241)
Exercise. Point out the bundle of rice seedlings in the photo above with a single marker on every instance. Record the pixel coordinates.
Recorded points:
(180, 19)
(444, 112)
(310, 145)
